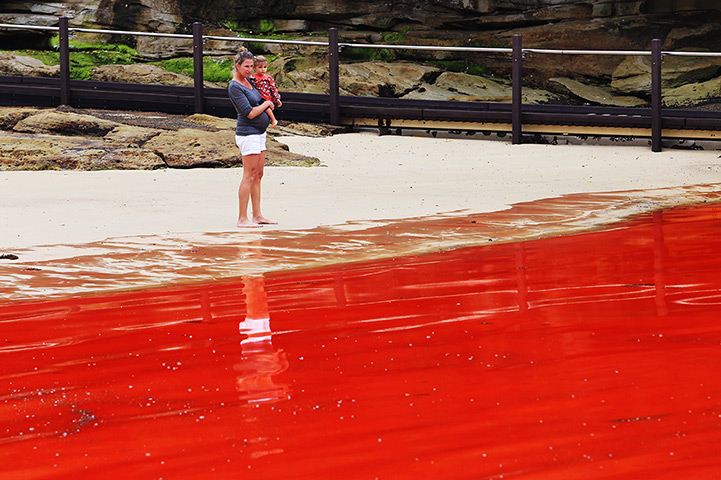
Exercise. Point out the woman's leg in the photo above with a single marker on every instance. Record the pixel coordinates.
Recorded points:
(252, 171)
(255, 194)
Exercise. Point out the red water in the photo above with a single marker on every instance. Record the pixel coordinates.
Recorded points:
(587, 356)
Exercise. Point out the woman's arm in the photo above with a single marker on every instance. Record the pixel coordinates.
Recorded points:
(255, 111)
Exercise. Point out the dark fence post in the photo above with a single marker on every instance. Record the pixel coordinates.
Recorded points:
(333, 61)
(517, 91)
(198, 66)
(656, 127)
(64, 45)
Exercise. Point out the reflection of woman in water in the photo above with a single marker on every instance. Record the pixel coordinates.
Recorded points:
(261, 361)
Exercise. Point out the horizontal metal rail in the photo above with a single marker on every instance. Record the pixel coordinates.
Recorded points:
(586, 52)
(546, 51)
(265, 40)
(427, 47)
(28, 27)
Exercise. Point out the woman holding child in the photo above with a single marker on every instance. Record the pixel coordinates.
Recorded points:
(254, 115)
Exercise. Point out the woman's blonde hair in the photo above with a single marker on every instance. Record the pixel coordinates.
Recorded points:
(243, 54)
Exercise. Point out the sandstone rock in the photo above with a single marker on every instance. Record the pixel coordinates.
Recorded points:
(706, 35)
(211, 121)
(465, 84)
(55, 152)
(286, 25)
(306, 130)
(596, 94)
(633, 75)
(687, 95)
(142, 73)
(60, 139)
(130, 136)
(279, 155)
(161, 48)
(10, 116)
(21, 65)
(362, 79)
(123, 159)
(64, 123)
(169, 15)
(315, 54)
(187, 148)
(162, 16)
(382, 78)
(427, 91)
(220, 47)
(473, 88)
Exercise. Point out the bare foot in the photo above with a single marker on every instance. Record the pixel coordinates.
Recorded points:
(248, 224)
(274, 124)
(264, 221)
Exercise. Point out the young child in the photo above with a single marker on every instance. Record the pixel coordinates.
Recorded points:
(266, 85)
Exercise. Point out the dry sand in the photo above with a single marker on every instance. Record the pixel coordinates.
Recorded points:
(365, 177)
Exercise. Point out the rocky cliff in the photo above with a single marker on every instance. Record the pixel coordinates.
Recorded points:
(378, 15)
(593, 24)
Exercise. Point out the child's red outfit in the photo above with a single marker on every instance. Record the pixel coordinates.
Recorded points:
(266, 88)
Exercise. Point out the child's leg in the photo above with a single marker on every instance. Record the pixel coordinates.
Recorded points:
(273, 121)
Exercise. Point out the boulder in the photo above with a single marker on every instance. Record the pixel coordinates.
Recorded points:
(130, 136)
(702, 34)
(687, 95)
(162, 48)
(188, 148)
(597, 94)
(142, 73)
(283, 128)
(311, 54)
(21, 65)
(122, 159)
(291, 25)
(474, 88)
(633, 75)
(366, 79)
(211, 121)
(465, 84)
(56, 152)
(383, 78)
(10, 116)
(64, 123)
(427, 91)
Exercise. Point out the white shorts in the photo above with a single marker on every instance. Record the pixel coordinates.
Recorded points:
(250, 144)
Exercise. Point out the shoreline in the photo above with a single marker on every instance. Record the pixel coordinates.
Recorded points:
(375, 197)
(154, 261)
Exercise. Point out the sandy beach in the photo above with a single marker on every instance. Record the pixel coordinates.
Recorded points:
(364, 177)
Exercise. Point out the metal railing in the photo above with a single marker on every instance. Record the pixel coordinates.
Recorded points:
(517, 53)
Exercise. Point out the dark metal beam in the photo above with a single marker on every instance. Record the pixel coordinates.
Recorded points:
(198, 66)
(333, 63)
(656, 124)
(64, 45)
(517, 90)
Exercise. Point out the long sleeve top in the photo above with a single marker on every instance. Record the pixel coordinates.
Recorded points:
(244, 99)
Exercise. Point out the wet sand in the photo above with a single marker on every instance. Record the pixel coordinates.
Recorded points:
(586, 356)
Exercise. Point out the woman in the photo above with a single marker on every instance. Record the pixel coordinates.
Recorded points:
(253, 120)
